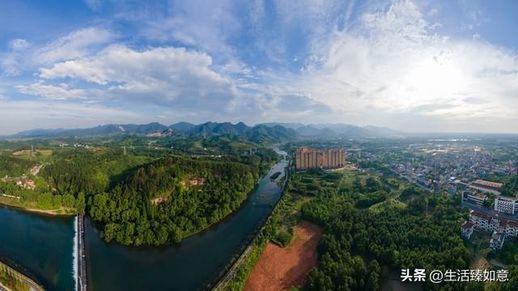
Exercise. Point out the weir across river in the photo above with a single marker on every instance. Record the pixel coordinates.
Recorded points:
(81, 255)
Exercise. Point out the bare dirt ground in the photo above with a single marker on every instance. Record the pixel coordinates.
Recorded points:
(282, 268)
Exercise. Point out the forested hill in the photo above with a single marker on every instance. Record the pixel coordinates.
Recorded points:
(169, 199)
(258, 133)
(11, 166)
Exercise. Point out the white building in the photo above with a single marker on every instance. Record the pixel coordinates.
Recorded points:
(500, 228)
(506, 205)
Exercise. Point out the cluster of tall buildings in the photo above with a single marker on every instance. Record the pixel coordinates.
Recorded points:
(307, 158)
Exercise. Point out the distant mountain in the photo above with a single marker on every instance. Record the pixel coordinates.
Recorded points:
(384, 131)
(39, 132)
(108, 129)
(284, 124)
(215, 128)
(272, 132)
(258, 133)
(182, 126)
(312, 131)
(334, 130)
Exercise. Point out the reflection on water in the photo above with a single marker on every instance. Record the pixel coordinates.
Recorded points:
(193, 264)
(39, 246)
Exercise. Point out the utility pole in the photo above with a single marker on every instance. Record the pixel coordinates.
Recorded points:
(125, 152)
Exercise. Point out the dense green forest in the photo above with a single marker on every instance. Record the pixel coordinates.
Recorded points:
(510, 187)
(169, 199)
(12, 166)
(145, 200)
(509, 252)
(140, 187)
(373, 227)
(358, 243)
(89, 172)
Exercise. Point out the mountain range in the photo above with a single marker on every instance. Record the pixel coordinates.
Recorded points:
(260, 132)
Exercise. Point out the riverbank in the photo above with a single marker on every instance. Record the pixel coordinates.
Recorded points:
(237, 272)
(65, 212)
(13, 280)
(198, 262)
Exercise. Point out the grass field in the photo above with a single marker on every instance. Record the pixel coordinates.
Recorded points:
(38, 154)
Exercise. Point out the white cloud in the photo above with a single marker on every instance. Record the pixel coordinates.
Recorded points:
(18, 44)
(22, 56)
(206, 25)
(391, 63)
(10, 62)
(366, 63)
(74, 45)
(54, 92)
(163, 75)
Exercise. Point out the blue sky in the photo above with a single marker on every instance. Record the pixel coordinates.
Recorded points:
(411, 65)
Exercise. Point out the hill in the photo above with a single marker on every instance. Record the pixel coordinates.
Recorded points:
(169, 199)
(267, 132)
(259, 133)
(101, 130)
(334, 130)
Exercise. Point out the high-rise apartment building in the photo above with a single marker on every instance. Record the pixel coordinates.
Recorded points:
(306, 158)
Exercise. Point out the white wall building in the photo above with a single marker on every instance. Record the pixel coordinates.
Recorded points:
(506, 205)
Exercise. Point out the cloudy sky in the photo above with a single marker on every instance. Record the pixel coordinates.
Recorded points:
(411, 65)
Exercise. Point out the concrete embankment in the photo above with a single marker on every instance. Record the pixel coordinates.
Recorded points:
(13, 280)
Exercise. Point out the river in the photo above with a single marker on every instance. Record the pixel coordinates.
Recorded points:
(39, 246)
(43, 246)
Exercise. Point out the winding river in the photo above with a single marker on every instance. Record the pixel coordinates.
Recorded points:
(43, 248)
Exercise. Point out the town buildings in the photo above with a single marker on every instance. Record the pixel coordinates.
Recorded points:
(500, 228)
(486, 186)
(506, 205)
(307, 158)
(474, 197)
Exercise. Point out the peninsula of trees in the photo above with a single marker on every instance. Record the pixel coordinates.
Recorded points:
(138, 190)
(167, 200)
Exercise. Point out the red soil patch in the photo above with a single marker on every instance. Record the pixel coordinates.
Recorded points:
(282, 268)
